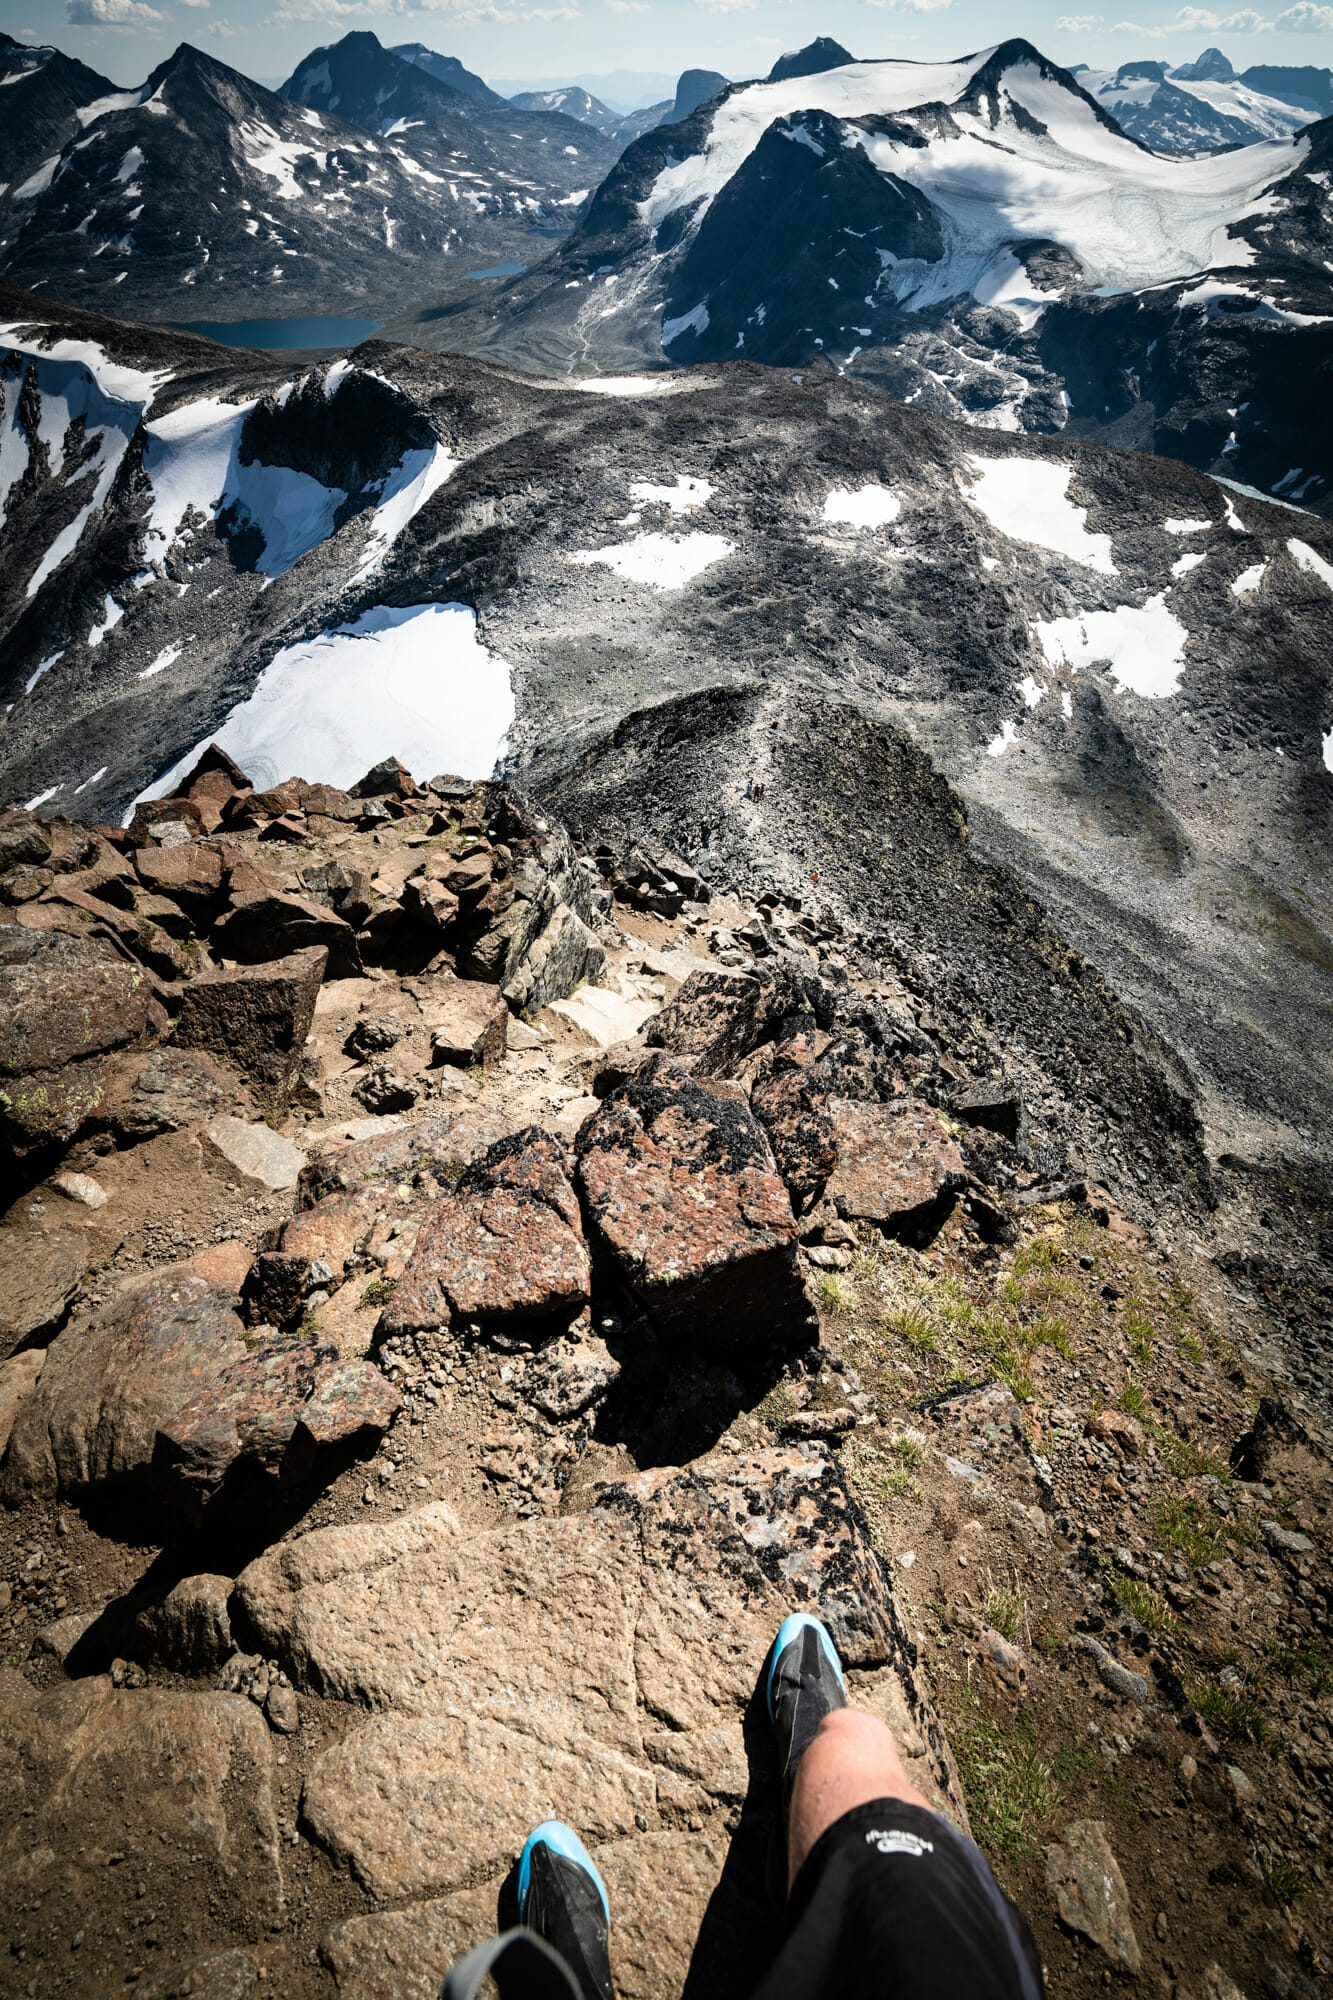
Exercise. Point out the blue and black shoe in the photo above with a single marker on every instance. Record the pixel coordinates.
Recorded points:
(563, 1898)
(804, 1684)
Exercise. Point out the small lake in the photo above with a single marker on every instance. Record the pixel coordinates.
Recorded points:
(497, 271)
(316, 331)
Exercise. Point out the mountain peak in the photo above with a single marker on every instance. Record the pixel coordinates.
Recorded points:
(1212, 67)
(696, 86)
(821, 54)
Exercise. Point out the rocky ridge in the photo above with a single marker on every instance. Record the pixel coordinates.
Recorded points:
(380, 1460)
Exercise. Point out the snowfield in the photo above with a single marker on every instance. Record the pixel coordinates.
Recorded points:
(331, 707)
(667, 562)
(1131, 217)
(1025, 498)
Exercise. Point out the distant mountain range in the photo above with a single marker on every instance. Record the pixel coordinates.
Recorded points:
(201, 195)
(1204, 106)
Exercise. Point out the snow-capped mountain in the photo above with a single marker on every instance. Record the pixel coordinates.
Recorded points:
(694, 86)
(447, 69)
(44, 95)
(1177, 113)
(981, 239)
(201, 195)
(1123, 664)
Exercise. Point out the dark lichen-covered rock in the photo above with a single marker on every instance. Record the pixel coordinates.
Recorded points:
(897, 1166)
(506, 1250)
(681, 1191)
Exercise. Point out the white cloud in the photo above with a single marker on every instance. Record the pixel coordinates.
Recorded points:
(111, 14)
(729, 6)
(1199, 21)
(911, 6)
(1078, 24)
(221, 31)
(1305, 19)
(627, 6)
(195, 3)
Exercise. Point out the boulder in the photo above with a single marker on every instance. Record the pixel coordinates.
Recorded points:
(18, 1378)
(680, 1189)
(186, 1630)
(24, 840)
(564, 953)
(311, 1252)
(346, 890)
(467, 1019)
(191, 876)
(65, 998)
(165, 823)
(266, 1418)
(383, 1089)
(387, 779)
(226, 1265)
(376, 1034)
(718, 1017)
(433, 1150)
(897, 1166)
(792, 1105)
(997, 1106)
(257, 1018)
(49, 1108)
(198, 1769)
(264, 923)
(256, 1151)
(505, 1250)
(40, 1271)
(1090, 1892)
(106, 1388)
(176, 1088)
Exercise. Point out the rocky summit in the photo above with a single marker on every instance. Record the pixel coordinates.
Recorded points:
(468, 1272)
(635, 1002)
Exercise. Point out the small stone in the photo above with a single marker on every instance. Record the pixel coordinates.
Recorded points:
(81, 1188)
(257, 1152)
(1282, 1541)
(1090, 1892)
(282, 1711)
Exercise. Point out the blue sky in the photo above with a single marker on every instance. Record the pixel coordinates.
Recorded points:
(507, 38)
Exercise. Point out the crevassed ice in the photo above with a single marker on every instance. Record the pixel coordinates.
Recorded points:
(397, 678)
(869, 506)
(1026, 499)
(667, 562)
(1143, 646)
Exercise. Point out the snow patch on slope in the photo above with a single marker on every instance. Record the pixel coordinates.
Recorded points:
(1025, 498)
(667, 562)
(1143, 646)
(870, 506)
(333, 705)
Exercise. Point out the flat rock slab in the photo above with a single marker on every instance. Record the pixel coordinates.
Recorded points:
(592, 1667)
(268, 1417)
(680, 1188)
(93, 1417)
(257, 1151)
(40, 1271)
(659, 1886)
(897, 1166)
(257, 1017)
(1090, 1892)
(467, 1018)
(601, 1018)
(505, 1251)
(197, 1767)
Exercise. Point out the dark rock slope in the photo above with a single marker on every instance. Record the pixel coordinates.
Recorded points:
(1120, 664)
(45, 91)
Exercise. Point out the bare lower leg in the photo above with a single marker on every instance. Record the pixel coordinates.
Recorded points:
(852, 1760)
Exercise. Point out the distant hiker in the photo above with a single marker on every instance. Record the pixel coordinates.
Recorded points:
(885, 1900)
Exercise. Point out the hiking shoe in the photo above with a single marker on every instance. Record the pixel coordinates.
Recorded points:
(563, 1898)
(804, 1684)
